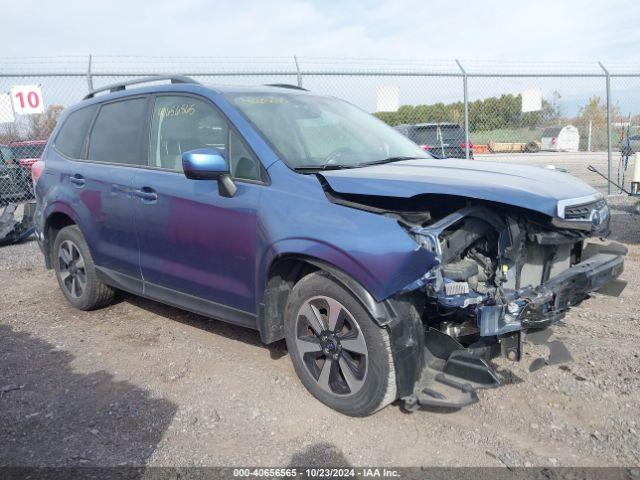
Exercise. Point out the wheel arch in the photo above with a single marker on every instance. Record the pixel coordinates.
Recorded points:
(286, 270)
(57, 218)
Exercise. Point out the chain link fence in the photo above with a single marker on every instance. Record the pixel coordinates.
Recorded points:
(567, 114)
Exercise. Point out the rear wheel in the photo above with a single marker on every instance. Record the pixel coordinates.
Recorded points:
(76, 272)
(341, 356)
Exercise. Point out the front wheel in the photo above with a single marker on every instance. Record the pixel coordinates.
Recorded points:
(341, 356)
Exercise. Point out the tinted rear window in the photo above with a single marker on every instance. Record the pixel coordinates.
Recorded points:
(424, 135)
(70, 140)
(117, 132)
(452, 133)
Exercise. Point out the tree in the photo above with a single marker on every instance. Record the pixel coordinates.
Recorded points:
(593, 118)
(551, 111)
(484, 115)
(41, 125)
(9, 132)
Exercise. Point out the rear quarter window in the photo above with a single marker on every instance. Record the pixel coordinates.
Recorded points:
(117, 133)
(70, 139)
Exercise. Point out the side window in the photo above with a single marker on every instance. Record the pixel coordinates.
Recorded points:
(242, 162)
(180, 124)
(70, 140)
(117, 132)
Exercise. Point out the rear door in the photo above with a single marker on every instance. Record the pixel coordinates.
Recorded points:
(115, 152)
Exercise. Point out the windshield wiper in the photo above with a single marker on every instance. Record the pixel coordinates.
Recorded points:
(336, 166)
(315, 168)
(388, 160)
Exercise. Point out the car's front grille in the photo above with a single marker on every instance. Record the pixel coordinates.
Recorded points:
(583, 212)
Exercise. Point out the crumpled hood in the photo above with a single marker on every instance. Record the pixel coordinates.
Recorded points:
(534, 188)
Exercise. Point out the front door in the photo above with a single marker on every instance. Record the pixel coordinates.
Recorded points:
(197, 246)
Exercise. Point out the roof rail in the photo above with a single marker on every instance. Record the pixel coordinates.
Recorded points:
(117, 87)
(285, 85)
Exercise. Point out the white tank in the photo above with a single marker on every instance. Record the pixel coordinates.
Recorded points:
(635, 180)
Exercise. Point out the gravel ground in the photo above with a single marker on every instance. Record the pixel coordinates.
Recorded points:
(139, 383)
(575, 163)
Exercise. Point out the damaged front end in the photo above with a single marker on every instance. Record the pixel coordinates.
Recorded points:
(501, 273)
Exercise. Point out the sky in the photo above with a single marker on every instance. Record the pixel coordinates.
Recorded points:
(546, 30)
(119, 34)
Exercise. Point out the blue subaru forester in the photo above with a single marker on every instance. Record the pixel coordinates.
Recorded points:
(391, 274)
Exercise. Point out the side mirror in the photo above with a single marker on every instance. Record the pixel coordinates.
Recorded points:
(209, 164)
(204, 164)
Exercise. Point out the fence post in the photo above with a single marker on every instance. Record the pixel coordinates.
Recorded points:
(299, 74)
(608, 79)
(466, 110)
(89, 78)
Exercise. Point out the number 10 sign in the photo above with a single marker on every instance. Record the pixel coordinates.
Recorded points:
(27, 99)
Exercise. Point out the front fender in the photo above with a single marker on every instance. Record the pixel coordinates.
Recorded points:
(314, 249)
(297, 218)
(381, 274)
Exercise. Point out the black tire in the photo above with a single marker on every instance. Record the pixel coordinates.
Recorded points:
(376, 388)
(532, 147)
(94, 294)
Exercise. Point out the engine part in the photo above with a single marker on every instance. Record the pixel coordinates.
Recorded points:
(456, 288)
(461, 270)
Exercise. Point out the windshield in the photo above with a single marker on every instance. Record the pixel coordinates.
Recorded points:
(28, 151)
(320, 132)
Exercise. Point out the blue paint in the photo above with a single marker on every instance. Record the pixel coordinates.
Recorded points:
(190, 238)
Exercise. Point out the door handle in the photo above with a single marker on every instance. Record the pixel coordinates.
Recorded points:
(78, 180)
(146, 194)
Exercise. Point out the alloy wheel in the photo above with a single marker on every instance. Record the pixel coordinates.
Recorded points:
(72, 271)
(332, 346)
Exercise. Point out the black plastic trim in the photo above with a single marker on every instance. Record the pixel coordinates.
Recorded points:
(177, 299)
(119, 280)
(380, 311)
(200, 305)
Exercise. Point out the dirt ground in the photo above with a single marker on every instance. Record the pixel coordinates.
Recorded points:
(139, 383)
(575, 163)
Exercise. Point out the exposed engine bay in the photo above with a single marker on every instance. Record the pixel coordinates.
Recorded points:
(496, 256)
(500, 268)
(497, 270)
(500, 271)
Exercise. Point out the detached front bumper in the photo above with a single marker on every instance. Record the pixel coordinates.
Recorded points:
(541, 306)
(452, 373)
